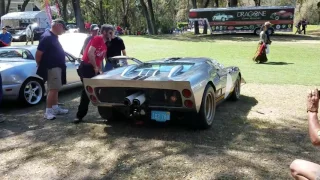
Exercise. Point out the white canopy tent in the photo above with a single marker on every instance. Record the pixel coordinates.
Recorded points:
(18, 19)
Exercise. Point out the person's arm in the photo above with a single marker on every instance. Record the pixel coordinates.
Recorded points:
(124, 53)
(42, 47)
(10, 39)
(92, 57)
(85, 45)
(313, 122)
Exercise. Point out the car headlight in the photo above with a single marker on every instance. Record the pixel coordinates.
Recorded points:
(8, 79)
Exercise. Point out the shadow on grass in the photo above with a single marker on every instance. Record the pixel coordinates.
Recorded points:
(276, 63)
(234, 147)
(232, 37)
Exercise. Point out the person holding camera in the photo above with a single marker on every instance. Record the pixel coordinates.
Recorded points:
(302, 169)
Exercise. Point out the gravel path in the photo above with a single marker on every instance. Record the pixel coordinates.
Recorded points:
(255, 138)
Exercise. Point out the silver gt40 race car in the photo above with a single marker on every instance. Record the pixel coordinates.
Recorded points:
(164, 89)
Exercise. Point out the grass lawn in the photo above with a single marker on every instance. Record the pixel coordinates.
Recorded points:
(289, 63)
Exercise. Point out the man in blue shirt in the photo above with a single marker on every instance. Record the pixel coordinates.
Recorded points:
(50, 58)
(5, 37)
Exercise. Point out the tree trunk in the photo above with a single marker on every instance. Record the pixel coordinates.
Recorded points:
(77, 13)
(64, 10)
(196, 23)
(153, 21)
(101, 12)
(233, 3)
(8, 6)
(146, 15)
(205, 27)
(125, 7)
(2, 7)
(257, 2)
(24, 5)
(217, 3)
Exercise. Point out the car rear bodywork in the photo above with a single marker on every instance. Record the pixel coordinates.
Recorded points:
(171, 84)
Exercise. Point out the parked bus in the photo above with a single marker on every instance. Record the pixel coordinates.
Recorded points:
(245, 19)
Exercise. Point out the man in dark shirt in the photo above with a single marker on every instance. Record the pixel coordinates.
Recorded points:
(115, 47)
(50, 58)
(94, 29)
(304, 24)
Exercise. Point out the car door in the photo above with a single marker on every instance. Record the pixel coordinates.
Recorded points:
(72, 66)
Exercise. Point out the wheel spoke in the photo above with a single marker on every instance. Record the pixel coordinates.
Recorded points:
(30, 97)
(36, 88)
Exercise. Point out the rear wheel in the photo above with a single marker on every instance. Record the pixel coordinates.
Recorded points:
(205, 116)
(235, 96)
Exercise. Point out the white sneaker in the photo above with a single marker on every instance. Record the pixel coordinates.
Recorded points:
(49, 116)
(60, 111)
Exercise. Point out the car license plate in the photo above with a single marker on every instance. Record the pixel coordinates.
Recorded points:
(160, 116)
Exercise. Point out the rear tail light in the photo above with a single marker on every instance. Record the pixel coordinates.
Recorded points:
(193, 14)
(186, 93)
(93, 98)
(89, 89)
(188, 103)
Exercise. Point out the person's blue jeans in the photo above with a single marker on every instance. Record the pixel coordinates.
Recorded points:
(108, 66)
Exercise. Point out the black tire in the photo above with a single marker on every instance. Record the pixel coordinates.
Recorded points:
(110, 114)
(37, 92)
(235, 96)
(205, 116)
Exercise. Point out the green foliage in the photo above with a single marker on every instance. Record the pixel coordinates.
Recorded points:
(182, 24)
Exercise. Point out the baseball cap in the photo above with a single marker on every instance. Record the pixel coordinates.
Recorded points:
(94, 27)
(60, 21)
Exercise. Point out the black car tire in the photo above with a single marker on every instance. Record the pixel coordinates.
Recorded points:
(205, 116)
(235, 96)
(38, 93)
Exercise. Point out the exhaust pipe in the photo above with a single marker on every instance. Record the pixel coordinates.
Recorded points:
(129, 99)
(139, 100)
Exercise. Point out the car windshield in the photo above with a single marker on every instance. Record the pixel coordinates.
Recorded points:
(8, 53)
(165, 67)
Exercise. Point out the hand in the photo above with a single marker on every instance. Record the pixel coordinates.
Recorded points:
(96, 70)
(313, 101)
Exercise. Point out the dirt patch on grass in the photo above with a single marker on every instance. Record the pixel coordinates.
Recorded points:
(255, 138)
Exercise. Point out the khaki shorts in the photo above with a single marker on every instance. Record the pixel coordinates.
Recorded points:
(54, 78)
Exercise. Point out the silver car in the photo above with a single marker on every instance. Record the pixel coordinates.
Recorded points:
(164, 89)
(19, 79)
